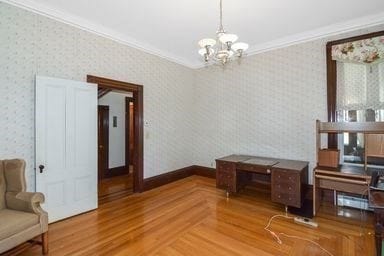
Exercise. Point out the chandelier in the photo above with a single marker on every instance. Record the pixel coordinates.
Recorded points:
(224, 48)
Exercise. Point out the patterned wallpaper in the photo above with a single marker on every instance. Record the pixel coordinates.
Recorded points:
(265, 106)
(31, 44)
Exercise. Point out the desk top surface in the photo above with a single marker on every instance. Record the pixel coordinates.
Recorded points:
(266, 161)
(347, 170)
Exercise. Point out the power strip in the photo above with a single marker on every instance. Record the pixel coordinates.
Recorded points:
(306, 221)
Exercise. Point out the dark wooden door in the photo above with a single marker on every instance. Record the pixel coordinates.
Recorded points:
(103, 141)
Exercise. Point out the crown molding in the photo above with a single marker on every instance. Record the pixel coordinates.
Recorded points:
(327, 31)
(67, 18)
(97, 29)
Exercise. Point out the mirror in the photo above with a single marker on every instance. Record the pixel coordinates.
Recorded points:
(355, 88)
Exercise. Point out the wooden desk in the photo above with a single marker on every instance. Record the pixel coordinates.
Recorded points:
(350, 179)
(287, 176)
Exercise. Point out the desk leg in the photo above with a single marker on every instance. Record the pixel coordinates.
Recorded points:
(316, 194)
(379, 218)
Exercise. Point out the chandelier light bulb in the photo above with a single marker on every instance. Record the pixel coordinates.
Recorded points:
(228, 38)
(207, 42)
(239, 47)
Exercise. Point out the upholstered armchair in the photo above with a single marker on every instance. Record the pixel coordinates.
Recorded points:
(21, 217)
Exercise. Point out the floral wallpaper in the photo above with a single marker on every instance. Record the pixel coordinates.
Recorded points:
(31, 44)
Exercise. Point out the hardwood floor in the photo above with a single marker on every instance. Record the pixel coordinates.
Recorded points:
(116, 184)
(192, 217)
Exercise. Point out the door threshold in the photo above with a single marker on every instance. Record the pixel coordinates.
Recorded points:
(114, 196)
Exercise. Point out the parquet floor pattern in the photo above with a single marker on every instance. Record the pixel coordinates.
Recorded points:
(192, 217)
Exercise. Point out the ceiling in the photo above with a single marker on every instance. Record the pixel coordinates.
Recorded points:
(171, 28)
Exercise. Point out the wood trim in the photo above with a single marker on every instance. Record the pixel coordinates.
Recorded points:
(332, 80)
(204, 171)
(163, 179)
(127, 130)
(363, 127)
(103, 140)
(117, 171)
(102, 92)
(113, 84)
(138, 97)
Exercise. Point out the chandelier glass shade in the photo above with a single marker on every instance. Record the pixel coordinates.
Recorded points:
(224, 48)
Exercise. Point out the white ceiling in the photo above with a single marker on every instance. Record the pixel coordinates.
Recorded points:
(171, 28)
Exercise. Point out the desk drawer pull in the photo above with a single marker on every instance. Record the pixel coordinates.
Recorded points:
(341, 179)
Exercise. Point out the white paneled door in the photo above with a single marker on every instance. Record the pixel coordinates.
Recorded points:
(66, 146)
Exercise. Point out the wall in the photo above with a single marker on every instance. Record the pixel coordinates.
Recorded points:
(31, 44)
(116, 103)
(265, 106)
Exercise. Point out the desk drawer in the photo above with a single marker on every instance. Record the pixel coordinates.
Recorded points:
(285, 176)
(286, 187)
(225, 166)
(253, 168)
(287, 199)
(226, 175)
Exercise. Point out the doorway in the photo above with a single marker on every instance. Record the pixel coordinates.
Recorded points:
(115, 142)
(120, 136)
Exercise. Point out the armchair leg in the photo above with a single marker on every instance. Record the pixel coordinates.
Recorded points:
(44, 240)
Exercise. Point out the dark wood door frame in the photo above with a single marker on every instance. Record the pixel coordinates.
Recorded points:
(332, 80)
(127, 130)
(138, 99)
(103, 140)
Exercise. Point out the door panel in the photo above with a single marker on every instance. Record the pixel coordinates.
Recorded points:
(66, 144)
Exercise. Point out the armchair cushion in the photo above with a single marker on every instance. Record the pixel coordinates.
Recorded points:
(3, 186)
(25, 201)
(14, 171)
(13, 222)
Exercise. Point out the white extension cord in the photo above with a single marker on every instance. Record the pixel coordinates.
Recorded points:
(277, 235)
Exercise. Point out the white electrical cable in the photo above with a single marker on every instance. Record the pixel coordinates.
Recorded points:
(277, 236)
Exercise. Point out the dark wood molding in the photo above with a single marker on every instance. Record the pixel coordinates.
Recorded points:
(332, 80)
(117, 171)
(113, 84)
(102, 92)
(103, 140)
(163, 179)
(127, 130)
(138, 97)
(204, 171)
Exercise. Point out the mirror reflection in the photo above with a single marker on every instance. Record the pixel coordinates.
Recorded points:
(360, 91)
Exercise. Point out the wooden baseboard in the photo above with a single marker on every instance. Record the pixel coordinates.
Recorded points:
(117, 171)
(163, 179)
(204, 171)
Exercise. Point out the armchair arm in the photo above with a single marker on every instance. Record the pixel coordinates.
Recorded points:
(25, 201)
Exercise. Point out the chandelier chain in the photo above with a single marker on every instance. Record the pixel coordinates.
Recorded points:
(221, 16)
